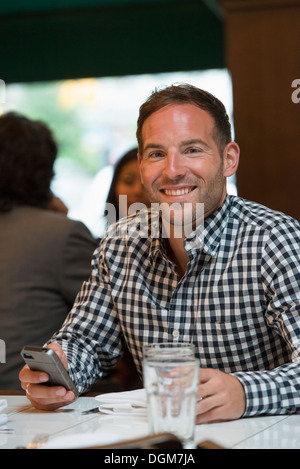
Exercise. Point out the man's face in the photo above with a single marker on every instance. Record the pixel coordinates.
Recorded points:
(181, 162)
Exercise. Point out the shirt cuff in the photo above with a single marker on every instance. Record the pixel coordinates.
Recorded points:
(267, 393)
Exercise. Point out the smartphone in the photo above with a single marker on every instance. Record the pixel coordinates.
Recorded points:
(45, 359)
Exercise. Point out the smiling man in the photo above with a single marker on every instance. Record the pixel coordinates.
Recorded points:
(180, 159)
(183, 164)
(230, 285)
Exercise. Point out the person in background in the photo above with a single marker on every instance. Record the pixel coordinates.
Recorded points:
(57, 205)
(44, 256)
(126, 181)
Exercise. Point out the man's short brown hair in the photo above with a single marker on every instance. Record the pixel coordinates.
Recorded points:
(187, 94)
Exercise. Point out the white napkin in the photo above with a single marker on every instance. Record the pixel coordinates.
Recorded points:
(82, 440)
(3, 417)
(123, 403)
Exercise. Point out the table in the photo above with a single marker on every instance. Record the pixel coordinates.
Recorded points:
(264, 432)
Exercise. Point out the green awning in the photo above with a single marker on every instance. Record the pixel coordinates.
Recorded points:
(43, 40)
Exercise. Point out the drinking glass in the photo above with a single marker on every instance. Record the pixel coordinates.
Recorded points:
(171, 382)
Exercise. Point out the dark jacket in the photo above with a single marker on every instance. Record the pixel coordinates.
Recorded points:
(44, 259)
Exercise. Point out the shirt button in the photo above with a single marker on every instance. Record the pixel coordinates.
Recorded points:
(175, 334)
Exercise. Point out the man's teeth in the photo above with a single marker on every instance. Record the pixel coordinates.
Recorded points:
(177, 191)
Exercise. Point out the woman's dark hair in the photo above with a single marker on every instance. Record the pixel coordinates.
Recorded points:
(27, 154)
(187, 94)
(126, 158)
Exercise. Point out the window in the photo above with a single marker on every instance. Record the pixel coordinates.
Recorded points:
(94, 123)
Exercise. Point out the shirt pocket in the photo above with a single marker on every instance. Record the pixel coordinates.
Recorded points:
(230, 346)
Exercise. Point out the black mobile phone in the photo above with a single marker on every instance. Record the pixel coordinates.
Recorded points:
(45, 359)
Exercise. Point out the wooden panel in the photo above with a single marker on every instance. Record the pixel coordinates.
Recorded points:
(262, 50)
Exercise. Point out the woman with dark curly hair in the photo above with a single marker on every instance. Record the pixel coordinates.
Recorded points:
(27, 155)
(44, 256)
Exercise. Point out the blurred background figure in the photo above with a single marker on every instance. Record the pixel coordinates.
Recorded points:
(44, 255)
(126, 181)
(57, 205)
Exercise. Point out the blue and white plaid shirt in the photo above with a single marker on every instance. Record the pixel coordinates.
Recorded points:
(239, 303)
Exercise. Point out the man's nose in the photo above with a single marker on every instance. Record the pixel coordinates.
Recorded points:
(174, 165)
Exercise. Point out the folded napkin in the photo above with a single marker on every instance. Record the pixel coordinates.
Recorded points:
(82, 440)
(3, 417)
(123, 403)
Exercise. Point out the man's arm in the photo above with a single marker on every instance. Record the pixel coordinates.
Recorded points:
(274, 391)
(277, 390)
(89, 340)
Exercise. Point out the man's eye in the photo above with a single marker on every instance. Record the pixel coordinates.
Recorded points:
(193, 150)
(155, 154)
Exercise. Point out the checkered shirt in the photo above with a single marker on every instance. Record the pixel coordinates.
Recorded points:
(238, 302)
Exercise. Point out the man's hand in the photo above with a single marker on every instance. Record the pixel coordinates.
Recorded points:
(41, 396)
(223, 397)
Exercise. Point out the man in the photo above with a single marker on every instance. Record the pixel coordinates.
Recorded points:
(230, 285)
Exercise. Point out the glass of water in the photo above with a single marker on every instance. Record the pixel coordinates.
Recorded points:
(171, 383)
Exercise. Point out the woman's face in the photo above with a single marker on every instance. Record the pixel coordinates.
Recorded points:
(129, 184)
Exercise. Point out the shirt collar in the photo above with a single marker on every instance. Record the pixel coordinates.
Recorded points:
(207, 236)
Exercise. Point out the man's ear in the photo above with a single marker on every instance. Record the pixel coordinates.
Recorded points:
(140, 167)
(231, 156)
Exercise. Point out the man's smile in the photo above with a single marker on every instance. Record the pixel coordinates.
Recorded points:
(177, 191)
